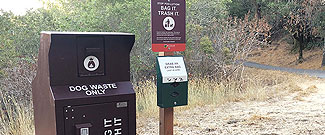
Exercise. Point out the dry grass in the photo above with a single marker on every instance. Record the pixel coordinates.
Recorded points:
(17, 117)
(265, 84)
(256, 85)
(305, 93)
(258, 118)
(279, 54)
(146, 98)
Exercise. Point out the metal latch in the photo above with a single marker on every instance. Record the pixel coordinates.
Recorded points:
(84, 131)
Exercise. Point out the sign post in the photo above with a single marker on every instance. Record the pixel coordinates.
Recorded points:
(166, 120)
(168, 35)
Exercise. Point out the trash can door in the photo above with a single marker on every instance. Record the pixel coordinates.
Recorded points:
(97, 119)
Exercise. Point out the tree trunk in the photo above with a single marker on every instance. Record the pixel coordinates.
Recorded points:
(323, 62)
(301, 48)
(257, 11)
(300, 51)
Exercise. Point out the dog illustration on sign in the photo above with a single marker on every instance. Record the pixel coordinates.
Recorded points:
(169, 23)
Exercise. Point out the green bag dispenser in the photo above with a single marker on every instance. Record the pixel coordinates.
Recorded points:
(172, 82)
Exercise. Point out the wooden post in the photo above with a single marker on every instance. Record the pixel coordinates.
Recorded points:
(166, 121)
(166, 115)
(166, 53)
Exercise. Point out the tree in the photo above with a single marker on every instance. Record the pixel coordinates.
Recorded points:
(239, 8)
(321, 27)
(300, 24)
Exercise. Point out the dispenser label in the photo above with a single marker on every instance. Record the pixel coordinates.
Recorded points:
(172, 69)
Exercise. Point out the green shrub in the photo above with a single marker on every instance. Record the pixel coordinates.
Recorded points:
(206, 45)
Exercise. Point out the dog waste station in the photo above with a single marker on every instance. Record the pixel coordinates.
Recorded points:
(82, 86)
(172, 84)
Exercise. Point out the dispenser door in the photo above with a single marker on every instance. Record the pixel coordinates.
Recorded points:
(90, 51)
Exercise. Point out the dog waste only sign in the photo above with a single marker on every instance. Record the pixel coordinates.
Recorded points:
(168, 25)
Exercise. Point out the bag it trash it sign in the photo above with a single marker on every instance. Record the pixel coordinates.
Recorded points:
(168, 25)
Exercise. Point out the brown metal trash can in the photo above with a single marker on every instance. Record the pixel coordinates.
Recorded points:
(82, 86)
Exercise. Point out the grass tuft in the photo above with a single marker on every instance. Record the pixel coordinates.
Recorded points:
(16, 118)
(305, 93)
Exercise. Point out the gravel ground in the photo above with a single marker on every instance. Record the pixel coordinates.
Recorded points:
(287, 115)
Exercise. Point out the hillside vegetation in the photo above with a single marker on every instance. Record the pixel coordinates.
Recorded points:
(280, 54)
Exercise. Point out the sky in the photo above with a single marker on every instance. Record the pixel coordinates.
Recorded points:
(19, 7)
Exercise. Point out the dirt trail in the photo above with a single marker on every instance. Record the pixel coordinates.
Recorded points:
(301, 112)
(315, 73)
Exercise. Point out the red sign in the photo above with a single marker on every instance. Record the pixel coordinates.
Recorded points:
(168, 25)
